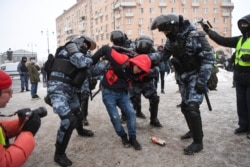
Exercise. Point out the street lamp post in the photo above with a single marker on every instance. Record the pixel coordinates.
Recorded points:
(31, 45)
(47, 39)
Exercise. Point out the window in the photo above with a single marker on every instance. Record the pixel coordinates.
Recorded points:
(225, 31)
(173, 10)
(215, 10)
(140, 1)
(151, 10)
(216, 20)
(163, 10)
(140, 10)
(129, 20)
(129, 32)
(225, 20)
(141, 21)
(151, 1)
(129, 11)
(195, 10)
(141, 32)
(184, 10)
(205, 10)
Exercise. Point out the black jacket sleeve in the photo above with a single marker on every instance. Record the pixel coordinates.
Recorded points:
(230, 42)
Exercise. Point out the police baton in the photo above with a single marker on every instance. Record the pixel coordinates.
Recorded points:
(208, 101)
(92, 96)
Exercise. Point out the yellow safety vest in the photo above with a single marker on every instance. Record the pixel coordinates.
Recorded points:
(2, 138)
(241, 49)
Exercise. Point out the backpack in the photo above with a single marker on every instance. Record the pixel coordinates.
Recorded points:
(213, 80)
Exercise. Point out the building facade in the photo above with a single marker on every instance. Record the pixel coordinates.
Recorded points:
(97, 18)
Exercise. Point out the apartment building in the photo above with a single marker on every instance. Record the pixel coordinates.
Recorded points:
(97, 18)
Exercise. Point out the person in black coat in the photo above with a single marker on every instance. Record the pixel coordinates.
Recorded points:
(241, 59)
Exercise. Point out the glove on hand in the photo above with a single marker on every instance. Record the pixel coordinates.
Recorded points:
(22, 112)
(33, 123)
(71, 48)
(200, 88)
(205, 27)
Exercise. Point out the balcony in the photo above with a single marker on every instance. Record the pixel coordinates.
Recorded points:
(227, 4)
(162, 4)
(120, 5)
(129, 14)
(195, 4)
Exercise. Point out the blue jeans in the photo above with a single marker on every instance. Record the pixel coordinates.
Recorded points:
(112, 99)
(24, 81)
(33, 88)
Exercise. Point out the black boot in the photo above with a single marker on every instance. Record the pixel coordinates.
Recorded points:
(125, 141)
(155, 122)
(136, 101)
(139, 114)
(84, 132)
(22, 90)
(196, 127)
(187, 135)
(153, 108)
(135, 143)
(193, 148)
(60, 157)
(62, 160)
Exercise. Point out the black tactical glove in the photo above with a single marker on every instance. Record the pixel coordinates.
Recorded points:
(22, 113)
(205, 27)
(200, 88)
(33, 123)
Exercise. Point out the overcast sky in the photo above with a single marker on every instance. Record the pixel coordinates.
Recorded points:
(23, 20)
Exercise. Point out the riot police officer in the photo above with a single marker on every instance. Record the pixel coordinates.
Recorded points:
(67, 75)
(193, 60)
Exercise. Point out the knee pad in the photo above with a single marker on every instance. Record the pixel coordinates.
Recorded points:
(192, 110)
(69, 122)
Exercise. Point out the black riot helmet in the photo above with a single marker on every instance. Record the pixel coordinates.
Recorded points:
(143, 44)
(80, 40)
(117, 37)
(169, 22)
(244, 29)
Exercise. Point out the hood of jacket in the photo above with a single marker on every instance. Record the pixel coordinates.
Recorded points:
(142, 61)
